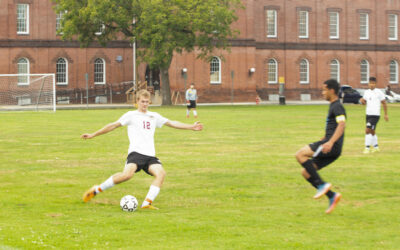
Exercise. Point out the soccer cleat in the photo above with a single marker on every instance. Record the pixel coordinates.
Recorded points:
(322, 189)
(333, 202)
(89, 194)
(375, 149)
(150, 207)
(366, 151)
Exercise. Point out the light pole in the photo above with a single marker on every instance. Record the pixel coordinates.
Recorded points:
(134, 55)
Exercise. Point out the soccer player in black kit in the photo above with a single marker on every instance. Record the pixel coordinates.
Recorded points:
(317, 155)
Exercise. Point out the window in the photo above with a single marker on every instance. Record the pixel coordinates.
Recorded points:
(59, 18)
(303, 24)
(100, 30)
(335, 70)
(23, 68)
(62, 71)
(394, 72)
(392, 18)
(364, 26)
(272, 71)
(304, 72)
(271, 23)
(22, 18)
(364, 69)
(333, 25)
(99, 71)
(215, 70)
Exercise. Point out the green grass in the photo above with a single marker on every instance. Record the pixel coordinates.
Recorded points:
(235, 185)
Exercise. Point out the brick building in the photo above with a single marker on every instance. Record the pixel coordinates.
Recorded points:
(304, 41)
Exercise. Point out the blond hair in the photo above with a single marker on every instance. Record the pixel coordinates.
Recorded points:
(142, 93)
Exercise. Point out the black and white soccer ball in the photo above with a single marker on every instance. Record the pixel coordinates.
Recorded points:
(128, 203)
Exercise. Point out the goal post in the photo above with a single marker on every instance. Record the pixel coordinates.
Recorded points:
(27, 92)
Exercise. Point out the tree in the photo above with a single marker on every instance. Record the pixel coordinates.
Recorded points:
(160, 27)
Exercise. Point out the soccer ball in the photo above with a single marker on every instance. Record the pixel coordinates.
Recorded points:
(128, 203)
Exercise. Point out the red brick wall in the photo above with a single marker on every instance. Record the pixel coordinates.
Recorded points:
(251, 49)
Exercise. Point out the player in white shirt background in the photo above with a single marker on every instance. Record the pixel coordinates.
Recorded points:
(191, 100)
(373, 98)
(141, 125)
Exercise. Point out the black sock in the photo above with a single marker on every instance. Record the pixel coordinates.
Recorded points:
(330, 194)
(315, 178)
(311, 180)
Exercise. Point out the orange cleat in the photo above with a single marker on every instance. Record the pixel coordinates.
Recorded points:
(333, 202)
(89, 194)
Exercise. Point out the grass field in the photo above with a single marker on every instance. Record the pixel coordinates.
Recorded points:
(235, 185)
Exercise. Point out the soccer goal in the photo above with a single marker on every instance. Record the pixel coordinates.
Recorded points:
(27, 92)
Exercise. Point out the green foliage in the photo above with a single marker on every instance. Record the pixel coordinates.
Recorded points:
(235, 185)
(161, 27)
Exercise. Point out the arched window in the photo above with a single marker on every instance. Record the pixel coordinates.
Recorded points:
(272, 71)
(215, 70)
(99, 71)
(62, 71)
(335, 70)
(23, 68)
(394, 72)
(304, 71)
(364, 70)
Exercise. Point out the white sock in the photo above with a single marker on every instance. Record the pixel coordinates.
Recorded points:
(375, 140)
(368, 140)
(187, 112)
(151, 195)
(105, 185)
(195, 112)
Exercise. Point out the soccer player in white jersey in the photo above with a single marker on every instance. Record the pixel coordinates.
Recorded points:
(191, 100)
(141, 154)
(373, 98)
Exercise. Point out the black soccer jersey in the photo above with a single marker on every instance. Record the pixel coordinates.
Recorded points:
(336, 113)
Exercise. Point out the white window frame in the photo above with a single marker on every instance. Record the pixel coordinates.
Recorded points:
(335, 63)
(219, 70)
(275, 74)
(307, 81)
(366, 80)
(59, 18)
(366, 35)
(66, 71)
(275, 19)
(334, 26)
(396, 73)
(26, 18)
(101, 30)
(306, 24)
(104, 71)
(394, 27)
(26, 74)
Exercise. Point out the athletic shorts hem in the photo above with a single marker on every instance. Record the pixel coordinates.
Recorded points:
(143, 162)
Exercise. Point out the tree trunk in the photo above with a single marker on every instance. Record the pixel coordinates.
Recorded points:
(165, 89)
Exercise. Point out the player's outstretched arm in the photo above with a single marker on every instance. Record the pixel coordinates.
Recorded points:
(362, 101)
(197, 126)
(108, 128)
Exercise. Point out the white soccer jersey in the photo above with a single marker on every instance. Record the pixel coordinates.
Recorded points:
(373, 99)
(141, 128)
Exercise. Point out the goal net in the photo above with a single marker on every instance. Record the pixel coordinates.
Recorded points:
(27, 92)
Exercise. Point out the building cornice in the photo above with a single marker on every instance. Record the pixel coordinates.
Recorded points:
(7, 43)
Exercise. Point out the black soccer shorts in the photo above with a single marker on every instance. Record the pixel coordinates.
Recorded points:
(192, 105)
(372, 121)
(324, 159)
(142, 161)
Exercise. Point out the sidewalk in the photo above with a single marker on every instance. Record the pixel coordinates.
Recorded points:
(129, 106)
